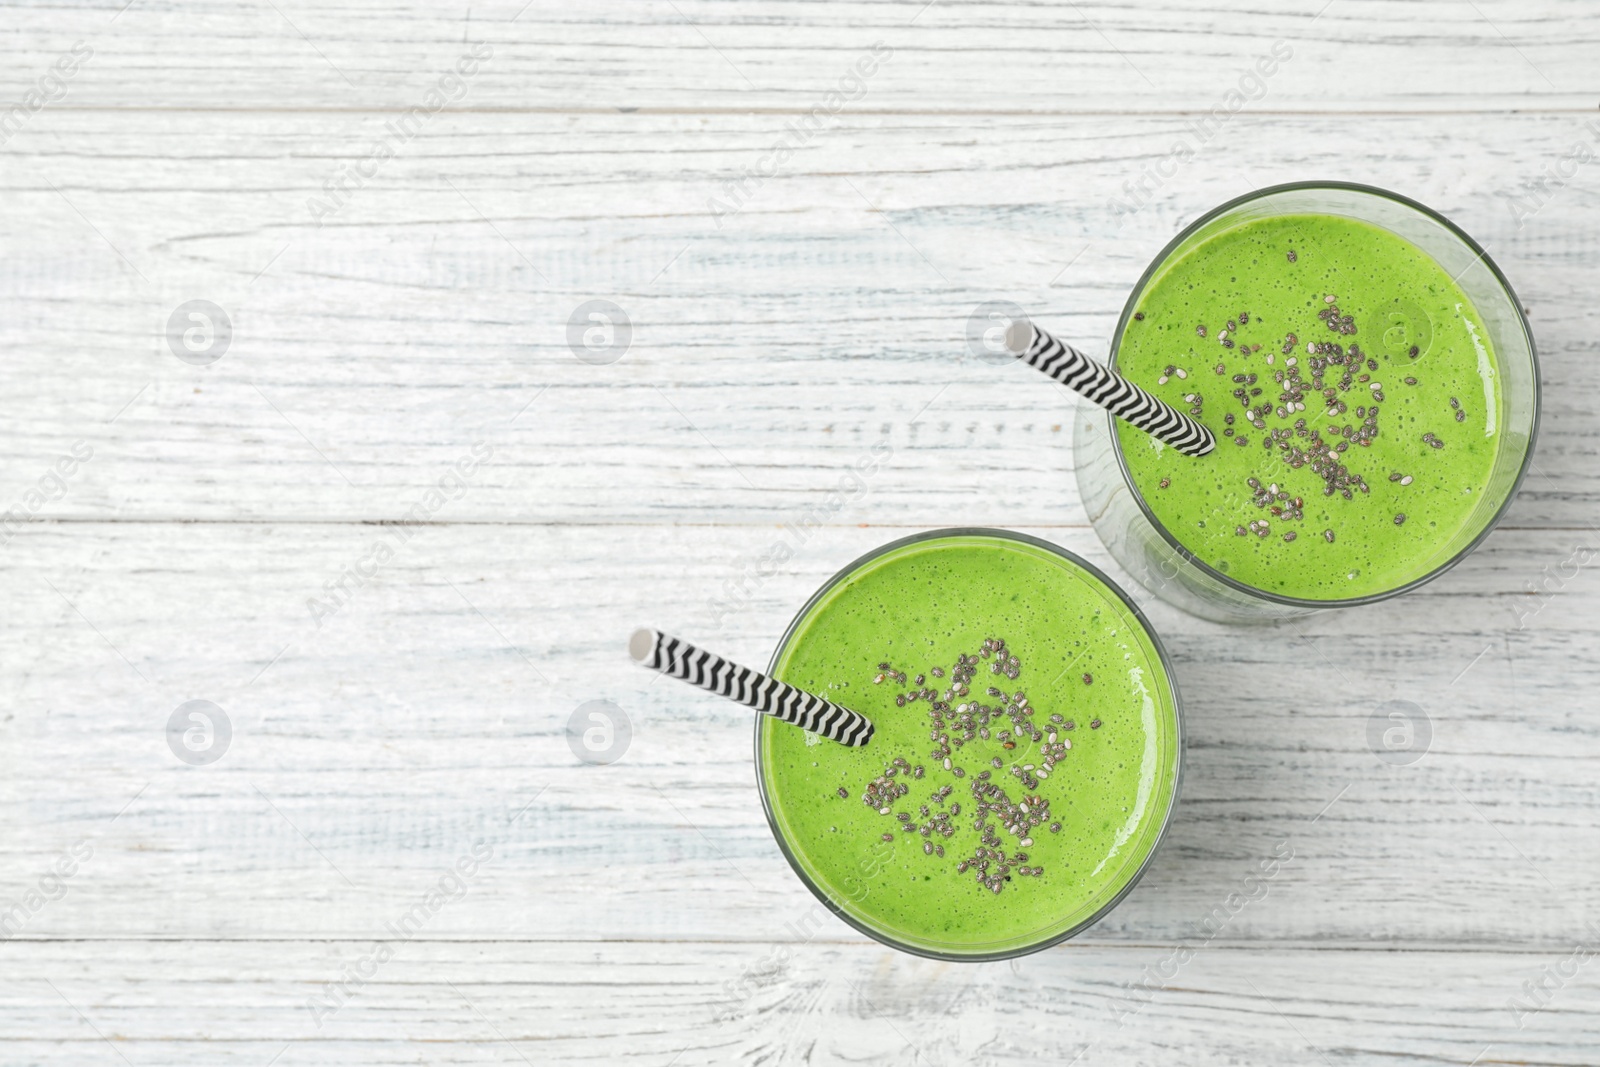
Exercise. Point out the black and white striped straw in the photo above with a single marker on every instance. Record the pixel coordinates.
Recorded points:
(680, 659)
(1105, 387)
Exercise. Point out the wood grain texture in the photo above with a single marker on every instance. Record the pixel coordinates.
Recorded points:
(783, 324)
(767, 354)
(369, 752)
(820, 1001)
(973, 56)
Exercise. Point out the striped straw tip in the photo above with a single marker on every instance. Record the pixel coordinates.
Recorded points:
(1019, 336)
(641, 644)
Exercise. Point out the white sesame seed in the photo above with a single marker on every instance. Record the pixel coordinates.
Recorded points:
(1026, 842)
(1406, 480)
(1182, 373)
(1161, 380)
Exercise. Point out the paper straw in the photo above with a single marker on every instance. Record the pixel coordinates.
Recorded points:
(684, 661)
(1105, 387)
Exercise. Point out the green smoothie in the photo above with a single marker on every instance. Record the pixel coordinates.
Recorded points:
(1025, 756)
(1353, 393)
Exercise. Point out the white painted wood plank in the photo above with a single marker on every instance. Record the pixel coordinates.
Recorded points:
(813, 1001)
(367, 355)
(947, 55)
(368, 754)
(982, 160)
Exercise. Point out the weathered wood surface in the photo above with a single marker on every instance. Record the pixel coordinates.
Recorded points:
(766, 355)
(430, 711)
(640, 912)
(963, 56)
(818, 1002)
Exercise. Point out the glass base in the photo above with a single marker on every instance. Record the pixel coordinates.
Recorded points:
(1139, 547)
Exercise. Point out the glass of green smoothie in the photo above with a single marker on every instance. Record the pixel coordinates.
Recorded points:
(1372, 385)
(1026, 754)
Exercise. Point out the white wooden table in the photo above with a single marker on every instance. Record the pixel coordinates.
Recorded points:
(640, 912)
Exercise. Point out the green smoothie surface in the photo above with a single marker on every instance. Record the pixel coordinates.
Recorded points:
(1353, 393)
(1056, 790)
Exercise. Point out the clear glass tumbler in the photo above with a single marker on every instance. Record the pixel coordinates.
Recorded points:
(1160, 562)
(1082, 897)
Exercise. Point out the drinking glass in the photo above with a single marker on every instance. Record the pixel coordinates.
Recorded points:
(850, 899)
(1156, 557)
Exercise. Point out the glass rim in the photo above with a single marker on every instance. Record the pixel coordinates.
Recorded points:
(1481, 255)
(1174, 794)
